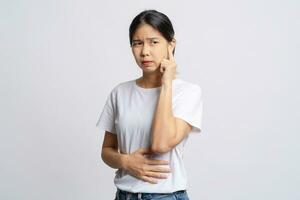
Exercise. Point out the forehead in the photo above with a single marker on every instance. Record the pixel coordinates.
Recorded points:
(146, 31)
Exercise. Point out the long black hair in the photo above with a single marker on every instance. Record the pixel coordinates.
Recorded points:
(157, 20)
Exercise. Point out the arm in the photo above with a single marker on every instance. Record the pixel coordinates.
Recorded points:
(110, 154)
(167, 131)
(136, 164)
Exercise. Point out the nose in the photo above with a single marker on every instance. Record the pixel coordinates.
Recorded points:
(145, 50)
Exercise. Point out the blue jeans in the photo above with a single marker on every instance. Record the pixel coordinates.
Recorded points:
(178, 195)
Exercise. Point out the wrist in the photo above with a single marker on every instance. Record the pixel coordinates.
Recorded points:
(167, 84)
(124, 161)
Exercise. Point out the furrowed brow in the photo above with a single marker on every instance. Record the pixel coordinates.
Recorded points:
(152, 38)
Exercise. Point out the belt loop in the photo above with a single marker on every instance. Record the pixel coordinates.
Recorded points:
(139, 196)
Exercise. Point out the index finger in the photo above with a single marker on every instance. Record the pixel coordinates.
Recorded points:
(157, 162)
(170, 54)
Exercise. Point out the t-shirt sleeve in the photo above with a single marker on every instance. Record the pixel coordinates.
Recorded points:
(189, 106)
(106, 120)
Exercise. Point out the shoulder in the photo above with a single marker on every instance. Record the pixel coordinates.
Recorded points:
(122, 86)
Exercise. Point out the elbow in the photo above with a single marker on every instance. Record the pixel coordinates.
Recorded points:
(160, 145)
(102, 154)
(160, 149)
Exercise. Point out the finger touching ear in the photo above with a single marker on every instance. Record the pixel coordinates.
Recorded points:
(170, 52)
(172, 45)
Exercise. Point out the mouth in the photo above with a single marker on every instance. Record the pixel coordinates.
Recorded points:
(146, 62)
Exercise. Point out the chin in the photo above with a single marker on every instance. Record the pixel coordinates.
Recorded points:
(150, 70)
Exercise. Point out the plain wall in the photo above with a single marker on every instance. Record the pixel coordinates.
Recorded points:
(59, 59)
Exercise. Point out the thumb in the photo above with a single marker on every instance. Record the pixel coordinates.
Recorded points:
(161, 69)
(144, 150)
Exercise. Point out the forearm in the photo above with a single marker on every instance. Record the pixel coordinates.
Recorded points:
(113, 158)
(163, 125)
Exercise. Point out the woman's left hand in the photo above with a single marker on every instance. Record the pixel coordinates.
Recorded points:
(168, 67)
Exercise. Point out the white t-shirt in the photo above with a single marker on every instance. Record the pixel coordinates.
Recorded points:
(128, 113)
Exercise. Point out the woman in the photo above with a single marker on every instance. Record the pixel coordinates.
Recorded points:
(147, 121)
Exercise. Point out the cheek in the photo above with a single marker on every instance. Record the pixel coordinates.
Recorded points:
(135, 54)
(163, 51)
(160, 54)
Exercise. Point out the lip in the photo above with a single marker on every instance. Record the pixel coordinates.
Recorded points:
(146, 62)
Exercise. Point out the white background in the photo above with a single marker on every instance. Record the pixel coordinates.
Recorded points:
(59, 60)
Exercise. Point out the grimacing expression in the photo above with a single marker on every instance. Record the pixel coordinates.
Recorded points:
(148, 44)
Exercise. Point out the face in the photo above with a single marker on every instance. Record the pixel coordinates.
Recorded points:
(148, 44)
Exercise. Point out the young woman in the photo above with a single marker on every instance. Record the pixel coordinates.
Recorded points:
(147, 121)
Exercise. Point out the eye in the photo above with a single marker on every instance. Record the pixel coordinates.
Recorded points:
(154, 42)
(137, 43)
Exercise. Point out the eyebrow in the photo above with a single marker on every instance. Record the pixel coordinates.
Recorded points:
(146, 39)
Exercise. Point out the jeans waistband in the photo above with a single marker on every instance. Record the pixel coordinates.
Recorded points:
(132, 193)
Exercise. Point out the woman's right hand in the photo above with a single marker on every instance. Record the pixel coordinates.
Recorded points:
(146, 169)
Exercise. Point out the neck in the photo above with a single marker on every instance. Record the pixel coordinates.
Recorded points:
(150, 80)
